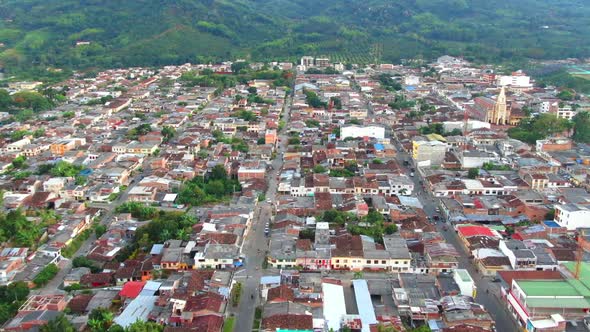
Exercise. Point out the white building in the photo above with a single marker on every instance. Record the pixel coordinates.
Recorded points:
(362, 131)
(517, 80)
(465, 282)
(572, 216)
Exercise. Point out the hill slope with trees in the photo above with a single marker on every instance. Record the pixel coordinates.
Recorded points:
(46, 33)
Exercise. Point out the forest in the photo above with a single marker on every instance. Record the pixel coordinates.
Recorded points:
(37, 35)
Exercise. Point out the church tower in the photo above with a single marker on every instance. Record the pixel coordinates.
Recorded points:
(500, 115)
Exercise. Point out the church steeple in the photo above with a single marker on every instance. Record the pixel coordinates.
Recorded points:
(500, 115)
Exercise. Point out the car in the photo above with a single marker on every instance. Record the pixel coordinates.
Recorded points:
(412, 174)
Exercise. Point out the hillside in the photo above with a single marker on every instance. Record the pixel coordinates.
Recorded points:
(149, 32)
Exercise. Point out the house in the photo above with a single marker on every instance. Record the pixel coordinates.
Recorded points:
(572, 216)
(286, 316)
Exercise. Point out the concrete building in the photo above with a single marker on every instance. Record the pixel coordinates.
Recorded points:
(572, 216)
(362, 131)
(428, 152)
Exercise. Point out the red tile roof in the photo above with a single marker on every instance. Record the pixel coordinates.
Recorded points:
(131, 289)
(467, 231)
(288, 322)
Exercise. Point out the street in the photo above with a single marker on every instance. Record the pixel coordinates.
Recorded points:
(65, 265)
(256, 243)
(491, 301)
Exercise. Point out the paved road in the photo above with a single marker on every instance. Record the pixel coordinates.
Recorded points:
(491, 301)
(256, 242)
(53, 287)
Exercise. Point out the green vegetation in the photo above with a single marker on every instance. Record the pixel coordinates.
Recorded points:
(163, 227)
(228, 324)
(326, 71)
(11, 298)
(137, 210)
(76, 243)
(142, 129)
(374, 226)
(341, 173)
(490, 166)
(44, 33)
(312, 99)
(319, 169)
(562, 78)
(536, 128)
(336, 217)
(213, 188)
(400, 102)
(15, 227)
(473, 173)
(437, 128)
(582, 127)
(58, 324)
(61, 168)
(82, 261)
(168, 133)
(100, 319)
(236, 294)
(46, 275)
(389, 83)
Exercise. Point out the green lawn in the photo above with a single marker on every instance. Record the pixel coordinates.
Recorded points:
(228, 325)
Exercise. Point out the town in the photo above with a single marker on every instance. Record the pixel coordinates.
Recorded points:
(315, 196)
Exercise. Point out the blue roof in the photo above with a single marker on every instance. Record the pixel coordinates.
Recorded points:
(364, 304)
(157, 249)
(551, 223)
(410, 88)
(379, 147)
(268, 280)
(85, 172)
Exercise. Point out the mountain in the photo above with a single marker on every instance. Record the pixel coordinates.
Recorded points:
(42, 33)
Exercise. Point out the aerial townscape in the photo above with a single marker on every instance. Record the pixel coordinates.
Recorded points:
(190, 181)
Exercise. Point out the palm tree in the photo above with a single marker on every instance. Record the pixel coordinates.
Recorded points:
(58, 324)
(403, 192)
(358, 275)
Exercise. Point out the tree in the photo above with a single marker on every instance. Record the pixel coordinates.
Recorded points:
(100, 319)
(390, 229)
(565, 95)
(168, 133)
(357, 275)
(582, 127)
(46, 275)
(473, 173)
(99, 230)
(5, 100)
(58, 324)
(142, 326)
(319, 169)
(374, 217)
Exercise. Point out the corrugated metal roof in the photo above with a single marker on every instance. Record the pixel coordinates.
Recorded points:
(364, 304)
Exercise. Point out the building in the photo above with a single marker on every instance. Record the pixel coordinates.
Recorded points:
(307, 61)
(572, 216)
(500, 114)
(426, 152)
(517, 81)
(362, 131)
(270, 137)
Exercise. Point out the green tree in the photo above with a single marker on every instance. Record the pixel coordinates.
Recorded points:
(390, 229)
(319, 169)
(100, 319)
(5, 100)
(58, 324)
(168, 133)
(473, 173)
(582, 127)
(46, 275)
